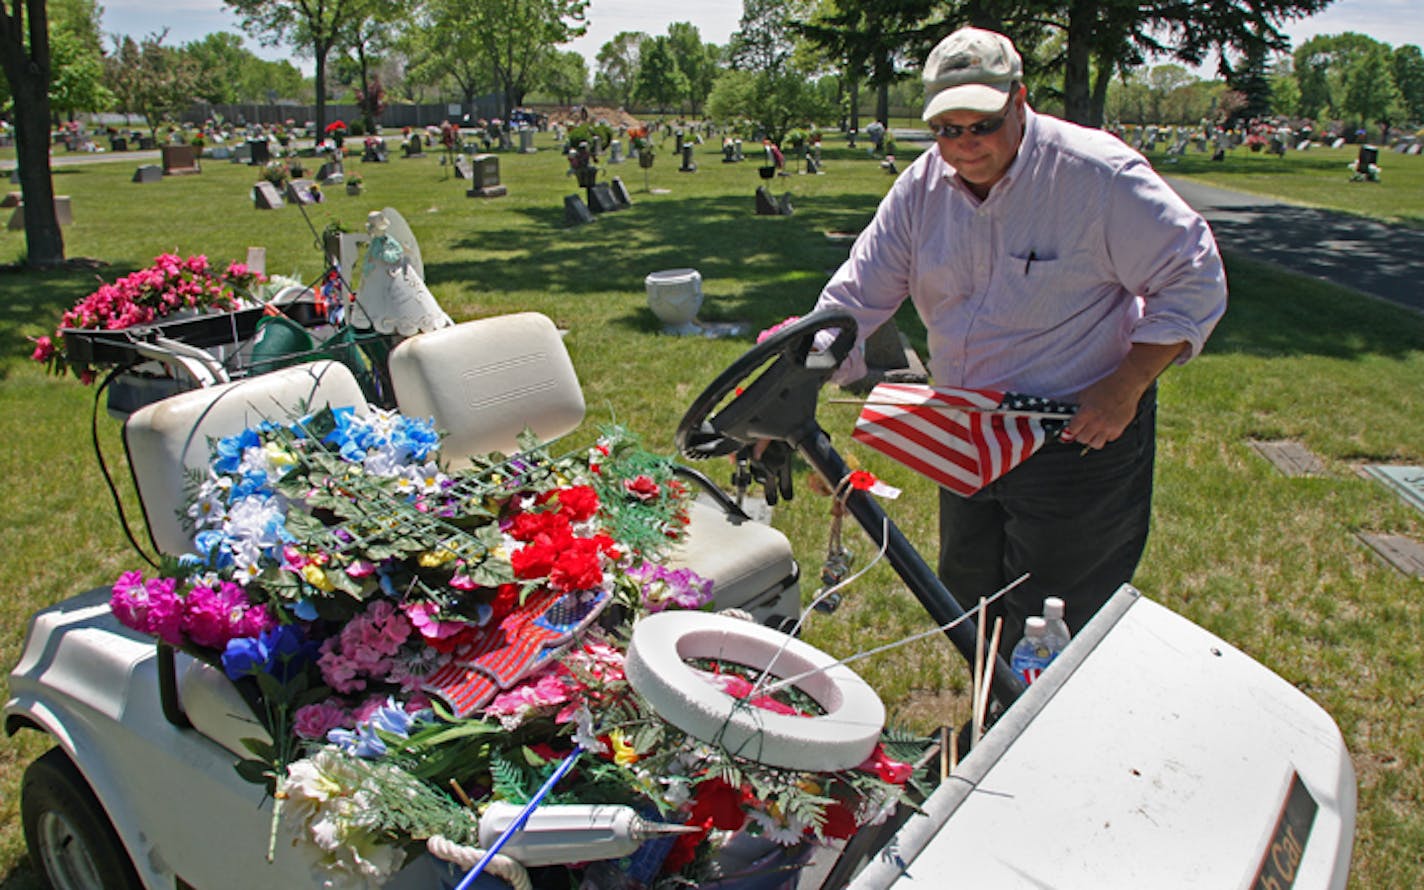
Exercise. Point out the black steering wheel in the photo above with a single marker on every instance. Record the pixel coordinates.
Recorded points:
(780, 405)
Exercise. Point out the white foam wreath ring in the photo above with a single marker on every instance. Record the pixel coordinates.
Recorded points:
(842, 738)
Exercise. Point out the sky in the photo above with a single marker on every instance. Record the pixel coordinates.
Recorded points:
(1395, 22)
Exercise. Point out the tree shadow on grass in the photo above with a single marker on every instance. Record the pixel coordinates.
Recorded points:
(778, 263)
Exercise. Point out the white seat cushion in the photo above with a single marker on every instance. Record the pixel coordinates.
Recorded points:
(166, 439)
(750, 564)
(486, 381)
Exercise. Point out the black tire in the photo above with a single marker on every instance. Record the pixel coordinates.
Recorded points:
(71, 843)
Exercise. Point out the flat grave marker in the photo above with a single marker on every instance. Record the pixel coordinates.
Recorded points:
(1291, 458)
(1405, 554)
(148, 173)
(1406, 482)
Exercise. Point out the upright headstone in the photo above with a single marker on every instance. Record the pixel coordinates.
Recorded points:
(620, 193)
(374, 152)
(765, 203)
(119, 143)
(329, 169)
(526, 141)
(266, 197)
(257, 260)
(615, 152)
(484, 177)
(179, 160)
(576, 212)
(261, 151)
(242, 153)
(601, 200)
(148, 173)
(688, 164)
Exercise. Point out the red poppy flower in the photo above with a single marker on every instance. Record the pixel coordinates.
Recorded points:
(840, 822)
(861, 480)
(641, 487)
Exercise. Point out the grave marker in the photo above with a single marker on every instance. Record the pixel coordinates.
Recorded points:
(1405, 481)
(260, 151)
(1291, 458)
(148, 173)
(601, 200)
(63, 214)
(526, 141)
(179, 160)
(620, 193)
(299, 191)
(266, 197)
(330, 169)
(484, 177)
(257, 260)
(688, 164)
(1405, 554)
(615, 152)
(576, 212)
(766, 205)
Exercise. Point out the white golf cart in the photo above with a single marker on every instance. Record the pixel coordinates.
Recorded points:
(1149, 754)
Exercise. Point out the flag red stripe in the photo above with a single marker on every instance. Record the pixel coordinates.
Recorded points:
(955, 444)
(934, 471)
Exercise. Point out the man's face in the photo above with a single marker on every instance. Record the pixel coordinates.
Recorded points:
(982, 160)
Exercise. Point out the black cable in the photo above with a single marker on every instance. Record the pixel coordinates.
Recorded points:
(104, 468)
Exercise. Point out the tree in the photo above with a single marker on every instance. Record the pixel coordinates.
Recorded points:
(565, 76)
(1322, 65)
(1370, 94)
(26, 61)
(513, 36)
(698, 62)
(1409, 79)
(660, 82)
(219, 59)
(314, 26)
(440, 44)
(78, 83)
(617, 75)
(151, 79)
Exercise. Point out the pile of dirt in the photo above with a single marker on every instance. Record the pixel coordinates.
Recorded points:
(574, 115)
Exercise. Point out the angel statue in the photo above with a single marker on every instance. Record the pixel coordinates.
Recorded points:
(393, 297)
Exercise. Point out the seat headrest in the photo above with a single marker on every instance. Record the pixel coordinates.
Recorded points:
(486, 381)
(168, 438)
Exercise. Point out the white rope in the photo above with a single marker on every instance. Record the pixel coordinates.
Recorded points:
(501, 866)
(791, 681)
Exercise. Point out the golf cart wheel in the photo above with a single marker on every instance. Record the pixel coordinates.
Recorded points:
(70, 840)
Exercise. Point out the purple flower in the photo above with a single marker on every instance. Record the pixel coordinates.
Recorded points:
(664, 588)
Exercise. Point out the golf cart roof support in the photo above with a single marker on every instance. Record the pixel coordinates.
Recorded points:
(907, 562)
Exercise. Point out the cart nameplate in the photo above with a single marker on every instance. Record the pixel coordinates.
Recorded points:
(1281, 862)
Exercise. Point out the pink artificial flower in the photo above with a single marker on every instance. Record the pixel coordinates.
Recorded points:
(165, 610)
(315, 721)
(44, 349)
(422, 617)
(641, 487)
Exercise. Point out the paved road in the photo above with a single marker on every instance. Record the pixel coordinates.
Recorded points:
(1382, 260)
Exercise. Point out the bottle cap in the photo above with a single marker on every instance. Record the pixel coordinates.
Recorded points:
(1053, 607)
(1035, 626)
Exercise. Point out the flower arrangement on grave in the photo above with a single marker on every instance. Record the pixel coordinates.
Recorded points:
(336, 132)
(171, 284)
(277, 173)
(641, 141)
(354, 182)
(374, 598)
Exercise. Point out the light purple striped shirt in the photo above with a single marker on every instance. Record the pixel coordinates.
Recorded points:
(1078, 252)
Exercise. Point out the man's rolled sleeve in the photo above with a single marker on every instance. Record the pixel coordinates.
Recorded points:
(1164, 252)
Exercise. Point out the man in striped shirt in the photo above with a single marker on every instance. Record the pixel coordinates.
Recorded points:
(1049, 259)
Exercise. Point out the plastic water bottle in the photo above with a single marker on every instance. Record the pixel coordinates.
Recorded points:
(1034, 652)
(1058, 633)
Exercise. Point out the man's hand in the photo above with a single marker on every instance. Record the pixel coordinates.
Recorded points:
(1106, 408)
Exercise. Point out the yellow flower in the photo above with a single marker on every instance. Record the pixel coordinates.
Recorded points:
(432, 559)
(623, 753)
(315, 575)
(279, 456)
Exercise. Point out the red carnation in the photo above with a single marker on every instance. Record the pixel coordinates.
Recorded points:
(641, 487)
(578, 502)
(720, 803)
(534, 561)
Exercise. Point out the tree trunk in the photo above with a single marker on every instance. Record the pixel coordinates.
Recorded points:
(44, 243)
(1077, 103)
(319, 51)
(855, 105)
(1100, 91)
(27, 68)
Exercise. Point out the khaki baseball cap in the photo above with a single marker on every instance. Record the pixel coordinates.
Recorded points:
(971, 70)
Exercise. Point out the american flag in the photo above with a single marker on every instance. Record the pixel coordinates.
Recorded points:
(963, 439)
(505, 653)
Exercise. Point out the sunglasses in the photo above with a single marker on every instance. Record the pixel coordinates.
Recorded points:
(986, 127)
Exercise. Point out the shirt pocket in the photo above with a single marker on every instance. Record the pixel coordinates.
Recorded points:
(1038, 289)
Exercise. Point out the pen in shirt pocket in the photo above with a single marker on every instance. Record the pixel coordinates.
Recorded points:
(1029, 262)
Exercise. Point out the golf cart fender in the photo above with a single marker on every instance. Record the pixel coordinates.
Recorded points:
(80, 680)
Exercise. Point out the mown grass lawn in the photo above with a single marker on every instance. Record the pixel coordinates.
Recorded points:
(1270, 563)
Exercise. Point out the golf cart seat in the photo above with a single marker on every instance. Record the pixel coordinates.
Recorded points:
(169, 439)
(486, 381)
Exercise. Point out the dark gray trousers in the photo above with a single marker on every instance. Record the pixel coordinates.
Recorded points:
(1077, 523)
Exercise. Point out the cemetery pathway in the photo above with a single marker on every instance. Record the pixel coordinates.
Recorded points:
(1362, 254)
